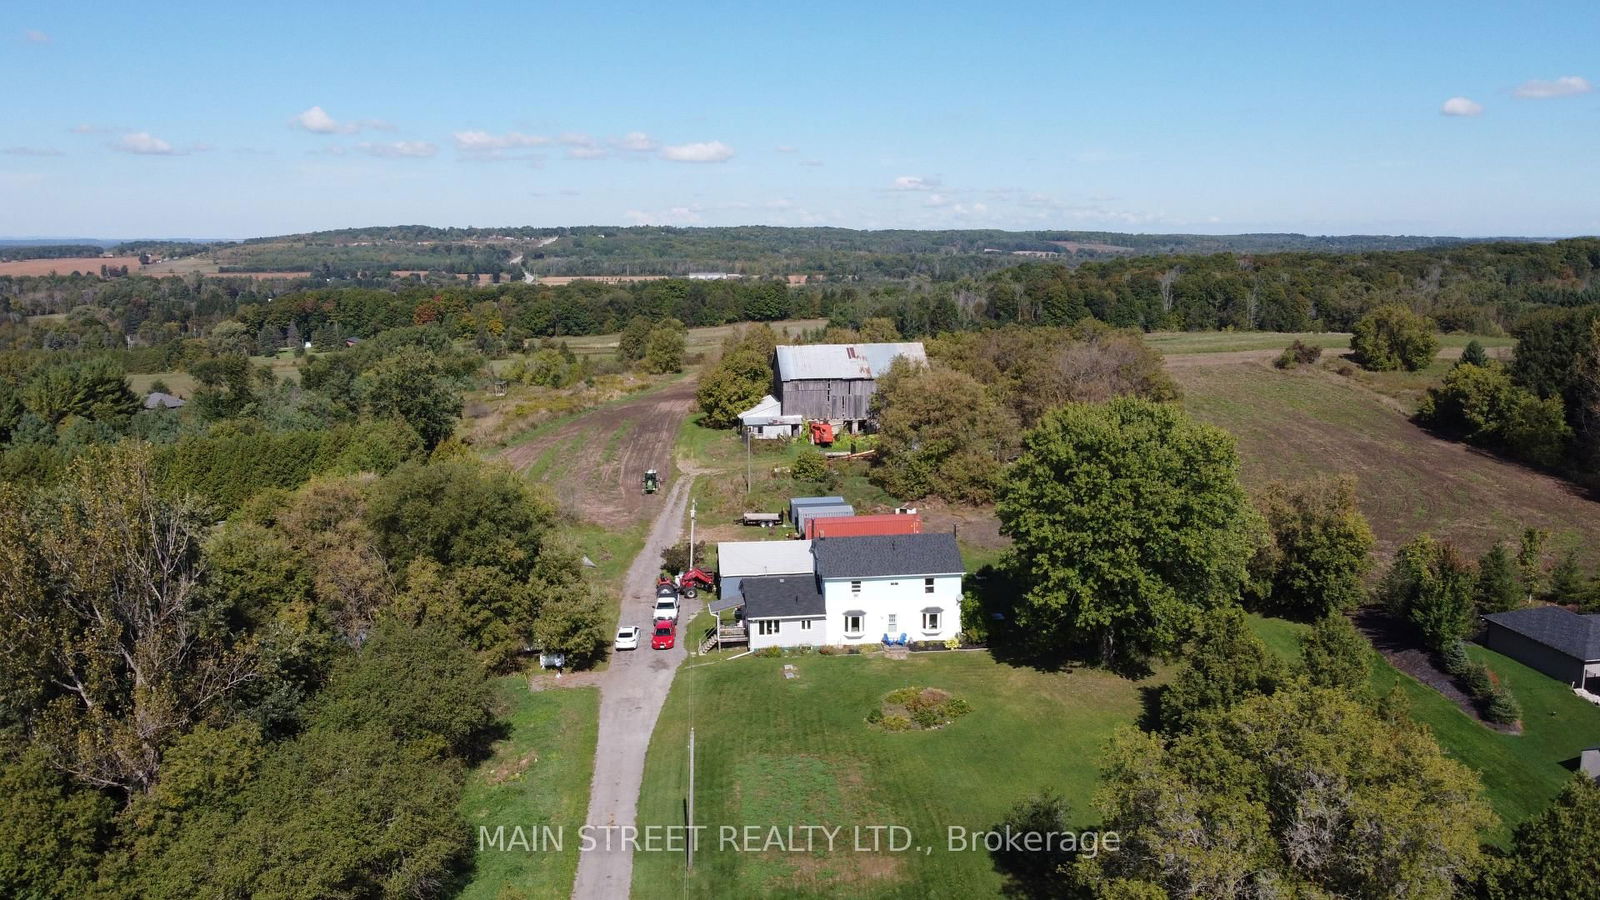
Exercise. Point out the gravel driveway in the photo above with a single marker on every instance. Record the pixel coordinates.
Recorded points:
(632, 692)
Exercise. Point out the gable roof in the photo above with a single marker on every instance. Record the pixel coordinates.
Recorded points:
(742, 559)
(765, 409)
(843, 361)
(781, 597)
(156, 399)
(875, 556)
(1555, 627)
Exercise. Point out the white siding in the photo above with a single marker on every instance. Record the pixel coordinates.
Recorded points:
(903, 596)
(791, 633)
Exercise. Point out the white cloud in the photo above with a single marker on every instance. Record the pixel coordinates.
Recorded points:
(399, 149)
(637, 142)
(144, 144)
(784, 148)
(702, 152)
(317, 121)
(32, 151)
(34, 36)
(86, 128)
(914, 183)
(481, 145)
(1565, 86)
(580, 152)
(677, 215)
(1461, 106)
(575, 139)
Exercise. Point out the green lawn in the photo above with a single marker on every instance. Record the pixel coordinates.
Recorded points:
(1520, 773)
(774, 751)
(538, 775)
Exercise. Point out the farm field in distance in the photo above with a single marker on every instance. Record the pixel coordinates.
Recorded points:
(1295, 425)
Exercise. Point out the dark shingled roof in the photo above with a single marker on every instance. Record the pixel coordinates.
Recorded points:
(781, 597)
(1555, 627)
(875, 556)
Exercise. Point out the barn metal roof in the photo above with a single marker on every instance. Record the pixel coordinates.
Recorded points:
(843, 361)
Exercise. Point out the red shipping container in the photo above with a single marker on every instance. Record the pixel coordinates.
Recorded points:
(861, 526)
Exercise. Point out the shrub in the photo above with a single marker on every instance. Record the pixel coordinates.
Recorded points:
(1479, 684)
(1298, 354)
(1454, 658)
(1502, 708)
(923, 708)
(1393, 337)
(810, 465)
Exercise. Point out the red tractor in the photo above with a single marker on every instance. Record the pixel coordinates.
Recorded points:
(691, 581)
(822, 433)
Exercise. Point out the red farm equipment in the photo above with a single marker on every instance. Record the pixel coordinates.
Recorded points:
(822, 433)
(691, 581)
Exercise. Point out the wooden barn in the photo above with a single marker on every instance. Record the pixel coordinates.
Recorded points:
(835, 382)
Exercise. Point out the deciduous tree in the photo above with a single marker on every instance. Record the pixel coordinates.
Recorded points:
(1128, 524)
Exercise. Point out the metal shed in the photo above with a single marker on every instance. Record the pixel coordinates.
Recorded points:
(834, 511)
(798, 503)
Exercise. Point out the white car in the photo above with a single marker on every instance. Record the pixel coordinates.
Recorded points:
(628, 637)
(666, 608)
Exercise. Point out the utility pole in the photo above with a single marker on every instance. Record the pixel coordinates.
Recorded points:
(691, 799)
(691, 533)
(747, 462)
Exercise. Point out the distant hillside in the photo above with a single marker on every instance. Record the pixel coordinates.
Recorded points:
(837, 254)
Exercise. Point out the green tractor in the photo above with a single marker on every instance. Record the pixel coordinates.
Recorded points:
(652, 481)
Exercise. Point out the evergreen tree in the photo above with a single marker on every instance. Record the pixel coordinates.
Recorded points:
(1497, 589)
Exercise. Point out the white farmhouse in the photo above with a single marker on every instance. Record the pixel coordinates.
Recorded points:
(863, 590)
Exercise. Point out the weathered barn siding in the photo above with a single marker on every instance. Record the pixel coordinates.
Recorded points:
(831, 399)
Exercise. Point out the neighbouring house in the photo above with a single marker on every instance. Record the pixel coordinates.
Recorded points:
(835, 382)
(159, 400)
(738, 560)
(1557, 641)
(859, 526)
(861, 590)
(765, 421)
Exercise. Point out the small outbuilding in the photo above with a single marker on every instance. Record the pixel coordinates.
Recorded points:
(765, 421)
(1557, 641)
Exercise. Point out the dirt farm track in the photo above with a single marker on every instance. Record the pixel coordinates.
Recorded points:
(593, 463)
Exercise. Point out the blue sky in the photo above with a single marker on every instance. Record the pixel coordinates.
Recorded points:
(190, 119)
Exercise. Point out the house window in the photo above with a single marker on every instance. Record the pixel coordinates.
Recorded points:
(766, 627)
(930, 621)
(893, 623)
(805, 624)
(852, 624)
(855, 588)
(927, 585)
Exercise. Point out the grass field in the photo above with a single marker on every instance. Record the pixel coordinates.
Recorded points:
(776, 751)
(1294, 425)
(1520, 773)
(538, 775)
(698, 341)
(1180, 343)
